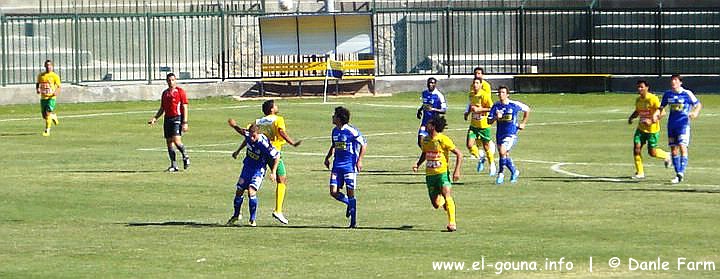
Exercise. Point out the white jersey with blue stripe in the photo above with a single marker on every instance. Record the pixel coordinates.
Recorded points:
(347, 142)
(680, 105)
(507, 124)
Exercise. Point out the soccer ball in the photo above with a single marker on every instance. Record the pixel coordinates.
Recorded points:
(285, 5)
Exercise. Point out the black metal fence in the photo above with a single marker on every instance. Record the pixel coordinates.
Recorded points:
(220, 44)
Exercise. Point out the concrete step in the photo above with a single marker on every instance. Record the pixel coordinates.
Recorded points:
(682, 48)
(650, 17)
(649, 32)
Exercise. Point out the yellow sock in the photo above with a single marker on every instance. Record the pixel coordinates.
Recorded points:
(490, 155)
(475, 151)
(450, 207)
(638, 165)
(660, 154)
(440, 200)
(279, 197)
(48, 122)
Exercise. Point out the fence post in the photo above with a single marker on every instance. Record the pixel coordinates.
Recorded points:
(591, 40)
(223, 57)
(76, 47)
(448, 41)
(148, 46)
(520, 40)
(659, 40)
(4, 50)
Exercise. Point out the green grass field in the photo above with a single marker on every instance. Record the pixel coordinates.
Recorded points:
(92, 200)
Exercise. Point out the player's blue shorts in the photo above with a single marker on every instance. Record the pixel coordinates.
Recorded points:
(507, 141)
(679, 136)
(346, 178)
(422, 131)
(250, 177)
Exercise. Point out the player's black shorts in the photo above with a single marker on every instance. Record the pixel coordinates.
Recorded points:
(172, 126)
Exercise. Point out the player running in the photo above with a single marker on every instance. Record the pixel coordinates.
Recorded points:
(435, 152)
(684, 106)
(647, 108)
(48, 87)
(433, 103)
(479, 104)
(505, 113)
(348, 147)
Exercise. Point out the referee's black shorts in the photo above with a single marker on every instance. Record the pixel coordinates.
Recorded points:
(172, 126)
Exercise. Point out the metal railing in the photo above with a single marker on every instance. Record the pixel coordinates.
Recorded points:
(444, 40)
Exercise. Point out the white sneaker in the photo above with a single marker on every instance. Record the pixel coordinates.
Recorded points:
(252, 223)
(678, 178)
(493, 169)
(638, 176)
(280, 217)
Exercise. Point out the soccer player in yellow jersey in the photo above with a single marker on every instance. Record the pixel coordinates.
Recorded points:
(647, 108)
(273, 127)
(480, 101)
(436, 148)
(48, 87)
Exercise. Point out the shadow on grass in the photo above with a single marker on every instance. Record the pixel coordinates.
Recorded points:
(17, 134)
(193, 224)
(112, 171)
(667, 190)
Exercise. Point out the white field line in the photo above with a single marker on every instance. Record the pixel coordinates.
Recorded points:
(89, 115)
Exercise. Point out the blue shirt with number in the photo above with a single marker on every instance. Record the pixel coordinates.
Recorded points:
(347, 142)
(680, 105)
(433, 99)
(507, 124)
(259, 153)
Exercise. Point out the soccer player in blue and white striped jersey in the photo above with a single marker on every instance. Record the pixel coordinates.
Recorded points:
(684, 106)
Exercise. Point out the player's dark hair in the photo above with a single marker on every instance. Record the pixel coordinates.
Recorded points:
(253, 128)
(504, 87)
(479, 68)
(48, 61)
(169, 75)
(439, 123)
(477, 78)
(432, 79)
(267, 106)
(676, 76)
(342, 114)
(643, 82)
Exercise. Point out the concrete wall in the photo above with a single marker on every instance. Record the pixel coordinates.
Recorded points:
(25, 94)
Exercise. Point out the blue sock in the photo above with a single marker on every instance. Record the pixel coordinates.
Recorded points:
(677, 163)
(253, 207)
(352, 204)
(683, 163)
(510, 165)
(503, 162)
(342, 198)
(237, 204)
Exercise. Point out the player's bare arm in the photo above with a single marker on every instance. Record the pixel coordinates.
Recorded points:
(156, 116)
(419, 162)
(632, 116)
(363, 148)
(287, 138)
(696, 111)
(458, 164)
(330, 152)
(526, 115)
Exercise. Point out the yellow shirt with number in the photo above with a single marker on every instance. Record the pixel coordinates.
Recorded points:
(646, 108)
(436, 152)
(48, 82)
(270, 126)
(482, 98)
